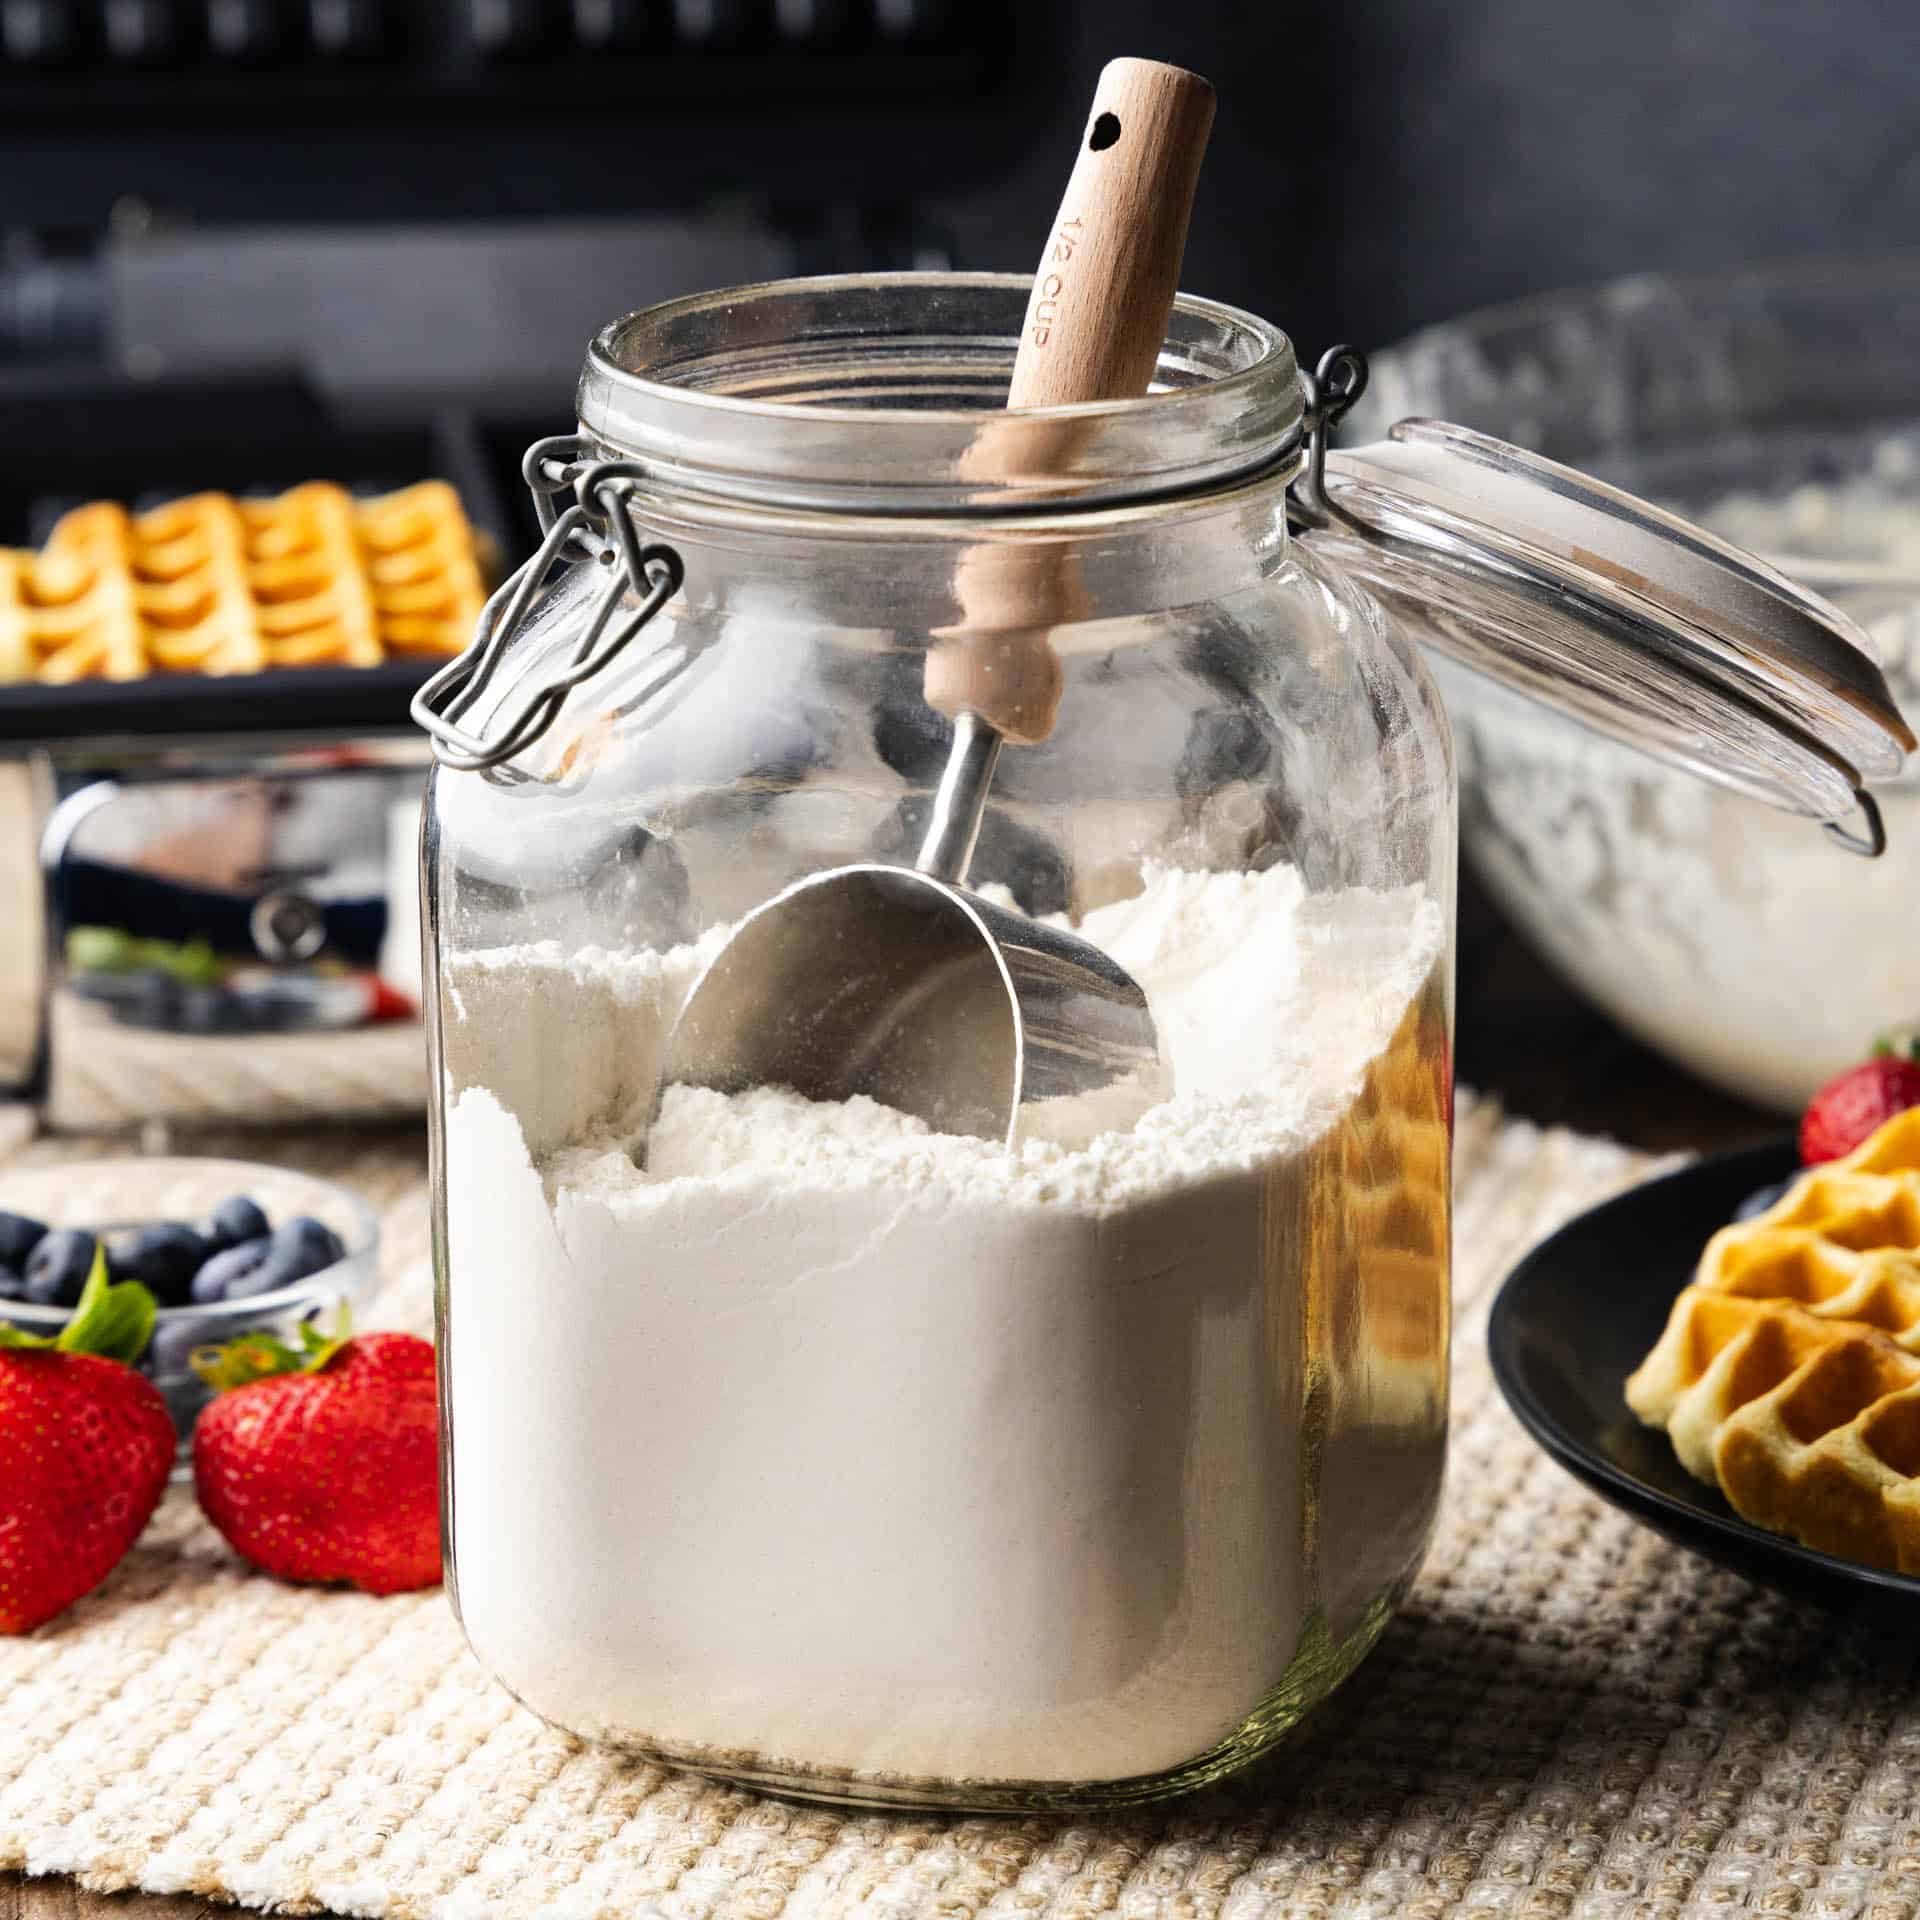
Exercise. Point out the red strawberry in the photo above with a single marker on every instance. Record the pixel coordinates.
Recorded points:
(386, 1002)
(1855, 1104)
(86, 1445)
(322, 1463)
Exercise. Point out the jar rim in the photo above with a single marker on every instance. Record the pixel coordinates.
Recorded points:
(834, 394)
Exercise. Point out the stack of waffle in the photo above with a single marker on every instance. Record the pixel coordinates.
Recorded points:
(1789, 1373)
(214, 584)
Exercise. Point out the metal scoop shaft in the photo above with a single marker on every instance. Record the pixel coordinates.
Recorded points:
(899, 983)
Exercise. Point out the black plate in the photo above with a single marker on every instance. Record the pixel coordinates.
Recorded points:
(1583, 1309)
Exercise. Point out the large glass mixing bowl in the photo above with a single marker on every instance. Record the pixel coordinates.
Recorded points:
(1782, 408)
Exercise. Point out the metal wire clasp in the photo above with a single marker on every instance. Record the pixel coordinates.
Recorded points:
(1332, 388)
(598, 522)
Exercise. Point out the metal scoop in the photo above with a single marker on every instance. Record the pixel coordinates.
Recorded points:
(898, 983)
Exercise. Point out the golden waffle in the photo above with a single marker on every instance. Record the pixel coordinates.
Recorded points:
(213, 584)
(1789, 1372)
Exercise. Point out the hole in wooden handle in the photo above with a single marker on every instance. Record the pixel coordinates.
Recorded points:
(1106, 130)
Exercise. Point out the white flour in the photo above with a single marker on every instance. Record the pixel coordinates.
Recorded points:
(829, 1444)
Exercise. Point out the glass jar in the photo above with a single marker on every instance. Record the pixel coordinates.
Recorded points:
(892, 1467)
(795, 1441)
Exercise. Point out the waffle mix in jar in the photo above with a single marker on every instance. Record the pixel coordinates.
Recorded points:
(808, 1443)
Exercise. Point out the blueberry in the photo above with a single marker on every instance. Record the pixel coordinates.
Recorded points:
(910, 737)
(57, 1269)
(229, 1268)
(162, 1258)
(151, 999)
(18, 1238)
(293, 1251)
(1224, 744)
(235, 1219)
(1757, 1203)
(301, 1247)
(268, 1276)
(12, 1286)
(1029, 865)
(174, 1342)
(203, 1009)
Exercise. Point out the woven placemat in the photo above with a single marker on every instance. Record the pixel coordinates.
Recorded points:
(1570, 1718)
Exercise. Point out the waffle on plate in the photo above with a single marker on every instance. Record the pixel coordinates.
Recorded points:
(1789, 1373)
(219, 585)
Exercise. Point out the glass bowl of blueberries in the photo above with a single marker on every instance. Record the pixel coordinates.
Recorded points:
(226, 1247)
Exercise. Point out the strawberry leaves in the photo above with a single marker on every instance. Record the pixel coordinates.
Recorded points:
(264, 1355)
(113, 1321)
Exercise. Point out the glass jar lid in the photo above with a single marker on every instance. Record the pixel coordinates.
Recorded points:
(1634, 621)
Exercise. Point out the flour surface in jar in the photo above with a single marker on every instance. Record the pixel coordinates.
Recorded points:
(798, 1439)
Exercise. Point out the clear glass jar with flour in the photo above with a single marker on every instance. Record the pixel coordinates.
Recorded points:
(796, 1439)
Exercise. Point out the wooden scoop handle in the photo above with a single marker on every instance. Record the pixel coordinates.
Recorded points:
(1093, 330)
(1106, 283)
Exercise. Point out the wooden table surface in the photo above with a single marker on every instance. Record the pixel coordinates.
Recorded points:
(22, 1899)
(1522, 1035)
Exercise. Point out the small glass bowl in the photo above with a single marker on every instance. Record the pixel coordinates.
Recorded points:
(106, 1195)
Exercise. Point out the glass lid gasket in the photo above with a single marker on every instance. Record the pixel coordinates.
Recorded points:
(883, 394)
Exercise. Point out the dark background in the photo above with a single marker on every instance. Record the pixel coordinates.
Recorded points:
(1376, 165)
(1388, 163)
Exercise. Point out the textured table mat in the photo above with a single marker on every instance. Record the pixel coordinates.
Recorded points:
(1571, 1718)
